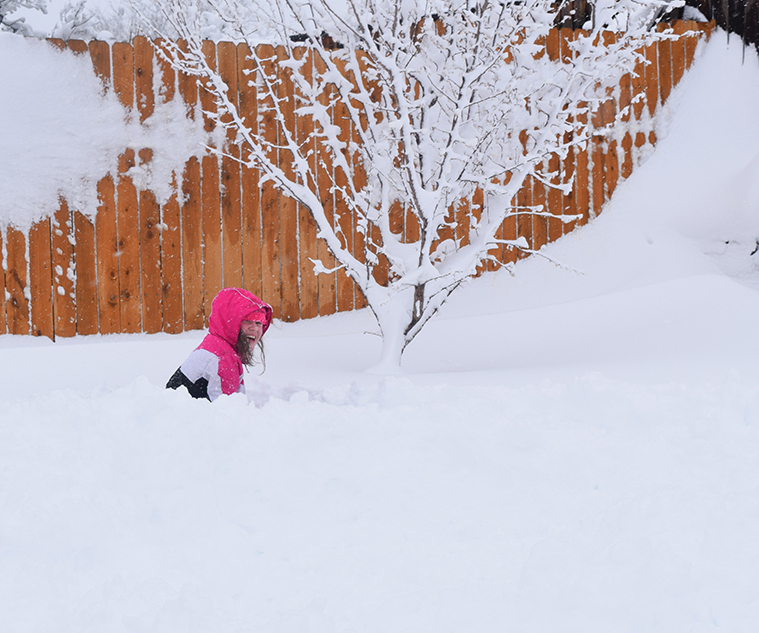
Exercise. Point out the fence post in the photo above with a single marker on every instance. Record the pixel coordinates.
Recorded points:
(328, 281)
(64, 271)
(270, 232)
(190, 217)
(16, 304)
(309, 287)
(148, 209)
(288, 208)
(249, 176)
(231, 216)
(41, 279)
(127, 203)
(3, 284)
(210, 200)
(170, 233)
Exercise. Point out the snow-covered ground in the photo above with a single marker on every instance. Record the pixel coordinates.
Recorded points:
(568, 450)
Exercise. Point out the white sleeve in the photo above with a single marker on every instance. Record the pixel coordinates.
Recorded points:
(203, 364)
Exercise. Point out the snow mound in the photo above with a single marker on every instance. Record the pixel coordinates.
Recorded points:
(63, 132)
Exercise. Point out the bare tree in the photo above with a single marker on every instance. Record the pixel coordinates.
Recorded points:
(452, 104)
(18, 24)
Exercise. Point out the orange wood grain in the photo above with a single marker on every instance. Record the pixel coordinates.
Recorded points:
(190, 213)
(664, 59)
(3, 273)
(270, 230)
(231, 213)
(127, 201)
(309, 286)
(210, 200)
(41, 280)
(16, 282)
(249, 176)
(63, 271)
(149, 210)
(327, 282)
(288, 208)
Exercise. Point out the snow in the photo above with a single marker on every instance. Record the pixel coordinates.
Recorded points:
(570, 449)
(63, 151)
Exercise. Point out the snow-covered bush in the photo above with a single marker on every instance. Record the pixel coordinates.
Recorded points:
(450, 103)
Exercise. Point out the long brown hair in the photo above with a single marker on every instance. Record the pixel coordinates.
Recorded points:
(247, 354)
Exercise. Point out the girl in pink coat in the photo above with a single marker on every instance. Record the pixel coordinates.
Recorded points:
(238, 321)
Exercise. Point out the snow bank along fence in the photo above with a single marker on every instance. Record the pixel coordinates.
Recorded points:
(142, 267)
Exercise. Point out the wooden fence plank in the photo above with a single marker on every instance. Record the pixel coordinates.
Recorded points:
(327, 281)
(638, 89)
(568, 200)
(582, 185)
(128, 217)
(554, 203)
(41, 280)
(86, 275)
(596, 166)
(625, 107)
(249, 176)
(192, 247)
(461, 213)
(231, 213)
(171, 222)
(288, 208)
(568, 164)
(552, 165)
(64, 271)
(106, 235)
(359, 182)
(106, 225)
(171, 266)
(84, 253)
(191, 219)
(309, 287)
(344, 219)
(539, 223)
(148, 208)
(524, 218)
(3, 286)
(626, 168)
(210, 201)
(611, 169)
(691, 42)
(664, 58)
(509, 232)
(678, 52)
(16, 303)
(651, 78)
(127, 202)
(270, 234)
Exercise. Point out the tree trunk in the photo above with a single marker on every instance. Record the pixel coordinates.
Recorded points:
(394, 314)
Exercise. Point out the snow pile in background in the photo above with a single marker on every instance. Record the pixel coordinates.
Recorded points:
(569, 450)
(62, 133)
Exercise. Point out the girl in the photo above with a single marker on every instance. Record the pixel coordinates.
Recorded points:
(238, 321)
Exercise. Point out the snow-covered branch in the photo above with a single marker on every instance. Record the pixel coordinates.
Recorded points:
(416, 109)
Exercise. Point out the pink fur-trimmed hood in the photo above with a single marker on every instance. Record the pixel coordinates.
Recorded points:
(229, 309)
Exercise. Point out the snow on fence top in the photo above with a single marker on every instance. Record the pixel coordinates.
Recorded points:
(63, 132)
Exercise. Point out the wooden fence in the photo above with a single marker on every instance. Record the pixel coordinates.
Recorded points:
(142, 267)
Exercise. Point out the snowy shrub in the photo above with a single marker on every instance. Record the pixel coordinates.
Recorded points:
(452, 105)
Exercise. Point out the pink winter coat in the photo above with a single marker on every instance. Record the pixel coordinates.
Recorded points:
(216, 359)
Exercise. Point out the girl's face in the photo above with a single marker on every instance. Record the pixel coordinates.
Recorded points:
(253, 330)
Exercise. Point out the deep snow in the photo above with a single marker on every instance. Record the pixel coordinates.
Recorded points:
(569, 449)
